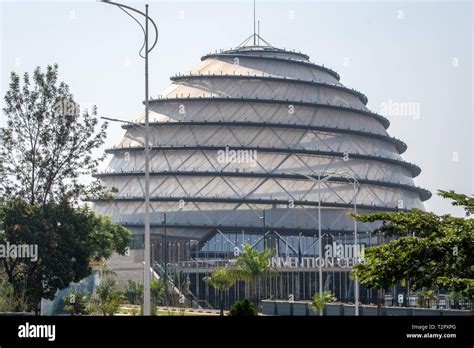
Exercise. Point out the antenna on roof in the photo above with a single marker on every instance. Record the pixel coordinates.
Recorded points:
(255, 35)
(258, 33)
(254, 31)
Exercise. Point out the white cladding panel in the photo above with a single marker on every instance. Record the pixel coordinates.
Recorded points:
(268, 107)
(266, 67)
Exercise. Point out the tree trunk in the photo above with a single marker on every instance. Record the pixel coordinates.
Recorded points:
(221, 300)
(256, 298)
(379, 302)
(257, 288)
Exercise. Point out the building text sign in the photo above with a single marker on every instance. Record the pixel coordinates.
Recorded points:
(335, 256)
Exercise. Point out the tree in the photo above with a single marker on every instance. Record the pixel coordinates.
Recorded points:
(76, 302)
(425, 298)
(66, 239)
(429, 250)
(242, 309)
(48, 141)
(320, 300)
(252, 265)
(459, 200)
(46, 146)
(221, 279)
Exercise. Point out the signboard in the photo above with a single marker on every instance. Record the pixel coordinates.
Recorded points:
(335, 256)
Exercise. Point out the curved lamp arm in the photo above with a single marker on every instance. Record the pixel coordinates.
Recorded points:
(139, 12)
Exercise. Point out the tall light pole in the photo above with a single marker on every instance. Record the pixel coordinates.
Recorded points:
(146, 272)
(320, 178)
(264, 230)
(355, 185)
(165, 259)
(319, 181)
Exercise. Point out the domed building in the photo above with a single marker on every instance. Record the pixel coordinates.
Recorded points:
(246, 146)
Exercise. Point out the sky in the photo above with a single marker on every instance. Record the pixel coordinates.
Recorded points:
(413, 60)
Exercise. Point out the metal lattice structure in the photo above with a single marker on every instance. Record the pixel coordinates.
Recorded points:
(230, 138)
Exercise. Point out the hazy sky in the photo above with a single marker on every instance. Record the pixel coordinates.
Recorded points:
(413, 54)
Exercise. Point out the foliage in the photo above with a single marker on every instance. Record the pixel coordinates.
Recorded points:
(320, 300)
(48, 141)
(67, 239)
(425, 297)
(157, 291)
(107, 300)
(9, 301)
(47, 145)
(463, 286)
(134, 292)
(242, 308)
(459, 200)
(76, 302)
(252, 265)
(178, 285)
(430, 250)
(221, 279)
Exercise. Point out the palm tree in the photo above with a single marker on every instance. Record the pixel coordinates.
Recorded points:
(320, 300)
(107, 300)
(252, 265)
(221, 279)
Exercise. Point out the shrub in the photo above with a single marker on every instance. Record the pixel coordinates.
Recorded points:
(320, 300)
(75, 302)
(108, 300)
(134, 292)
(242, 309)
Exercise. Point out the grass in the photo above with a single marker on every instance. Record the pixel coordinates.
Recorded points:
(135, 310)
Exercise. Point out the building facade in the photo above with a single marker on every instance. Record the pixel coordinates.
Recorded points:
(248, 145)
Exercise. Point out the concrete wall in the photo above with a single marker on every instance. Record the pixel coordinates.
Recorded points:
(338, 309)
(127, 267)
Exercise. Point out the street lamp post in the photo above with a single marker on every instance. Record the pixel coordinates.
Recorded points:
(146, 273)
(264, 228)
(165, 259)
(319, 181)
(320, 245)
(355, 185)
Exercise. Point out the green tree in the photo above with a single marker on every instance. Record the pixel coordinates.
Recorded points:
(48, 142)
(66, 239)
(76, 302)
(46, 146)
(221, 279)
(425, 298)
(252, 266)
(455, 297)
(320, 300)
(428, 250)
(459, 200)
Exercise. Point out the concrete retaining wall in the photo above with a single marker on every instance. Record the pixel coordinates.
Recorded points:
(299, 308)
